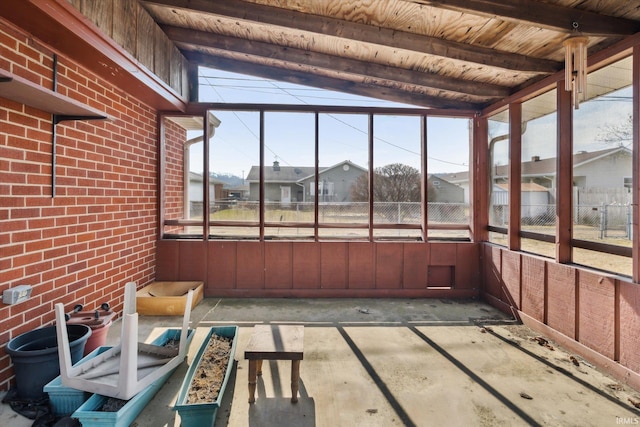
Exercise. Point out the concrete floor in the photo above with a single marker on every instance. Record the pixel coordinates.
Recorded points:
(394, 362)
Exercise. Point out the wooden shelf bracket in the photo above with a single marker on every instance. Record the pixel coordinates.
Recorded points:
(61, 107)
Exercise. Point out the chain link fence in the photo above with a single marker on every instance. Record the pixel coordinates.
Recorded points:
(343, 212)
(615, 221)
(592, 221)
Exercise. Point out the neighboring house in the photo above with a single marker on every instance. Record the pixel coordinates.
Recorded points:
(534, 198)
(287, 184)
(442, 191)
(195, 188)
(610, 168)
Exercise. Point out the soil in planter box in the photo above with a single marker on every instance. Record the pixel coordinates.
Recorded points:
(208, 378)
(112, 405)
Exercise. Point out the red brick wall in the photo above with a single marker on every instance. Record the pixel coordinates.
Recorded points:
(173, 139)
(100, 230)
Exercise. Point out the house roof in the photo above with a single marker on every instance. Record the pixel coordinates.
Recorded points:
(525, 187)
(541, 167)
(293, 173)
(197, 177)
(462, 54)
(285, 174)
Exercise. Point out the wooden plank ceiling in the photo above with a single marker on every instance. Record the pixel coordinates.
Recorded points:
(461, 54)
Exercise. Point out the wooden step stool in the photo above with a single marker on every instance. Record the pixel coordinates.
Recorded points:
(275, 342)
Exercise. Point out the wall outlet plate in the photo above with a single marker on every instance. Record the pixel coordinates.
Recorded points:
(15, 295)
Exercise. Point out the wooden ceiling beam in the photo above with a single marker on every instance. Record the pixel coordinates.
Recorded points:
(65, 29)
(366, 34)
(329, 83)
(544, 15)
(334, 63)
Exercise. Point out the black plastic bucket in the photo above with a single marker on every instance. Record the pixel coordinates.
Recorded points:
(34, 355)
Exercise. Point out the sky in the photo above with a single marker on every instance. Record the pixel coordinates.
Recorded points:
(605, 108)
(289, 137)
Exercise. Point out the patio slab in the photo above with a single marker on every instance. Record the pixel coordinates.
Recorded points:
(394, 362)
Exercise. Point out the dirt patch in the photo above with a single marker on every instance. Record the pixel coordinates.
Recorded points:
(207, 380)
(486, 417)
(567, 363)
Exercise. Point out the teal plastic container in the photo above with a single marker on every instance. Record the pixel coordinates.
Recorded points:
(204, 414)
(64, 400)
(89, 414)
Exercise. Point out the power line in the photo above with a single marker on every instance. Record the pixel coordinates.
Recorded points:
(288, 91)
(251, 130)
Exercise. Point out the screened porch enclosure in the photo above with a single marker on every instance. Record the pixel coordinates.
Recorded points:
(319, 185)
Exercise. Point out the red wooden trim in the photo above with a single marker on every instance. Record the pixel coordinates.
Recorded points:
(564, 168)
(499, 304)
(479, 180)
(371, 175)
(537, 236)
(614, 53)
(316, 164)
(255, 224)
(499, 230)
(635, 219)
(616, 321)
(60, 25)
(160, 173)
(515, 160)
(186, 222)
(595, 61)
(321, 225)
(434, 226)
(261, 178)
(205, 168)
(602, 247)
(197, 108)
(425, 174)
(234, 224)
(622, 373)
(545, 312)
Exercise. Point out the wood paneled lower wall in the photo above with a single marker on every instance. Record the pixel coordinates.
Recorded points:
(324, 269)
(589, 312)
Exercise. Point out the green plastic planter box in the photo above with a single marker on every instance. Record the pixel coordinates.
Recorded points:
(204, 414)
(64, 400)
(89, 414)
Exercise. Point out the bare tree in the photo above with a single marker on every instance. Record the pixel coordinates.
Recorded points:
(360, 189)
(395, 182)
(618, 134)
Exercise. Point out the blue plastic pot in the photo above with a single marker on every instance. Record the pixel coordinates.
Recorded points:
(35, 357)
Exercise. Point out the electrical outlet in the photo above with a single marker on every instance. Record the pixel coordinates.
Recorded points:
(15, 295)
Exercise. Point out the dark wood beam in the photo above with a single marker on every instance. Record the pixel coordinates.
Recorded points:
(515, 175)
(322, 82)
(564, 175)
(479, 181)
(366, 33)
(64, 28)
(635, 162)
(195, 38)
(545, 15)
